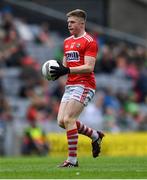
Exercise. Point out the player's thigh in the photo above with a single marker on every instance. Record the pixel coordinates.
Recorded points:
(61, 112)
(73, 109)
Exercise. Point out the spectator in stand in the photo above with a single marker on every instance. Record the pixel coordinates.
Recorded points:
(5, 109)
(106, 64)
(58, 90)
(121, 65)
(143, 124)
(44, 36)
(6, 118)
(29, 74)
(34, 141)
(94, 110)
(110, 120)
(11, 49)
(132, 71)
(111, 100)
(141, 85)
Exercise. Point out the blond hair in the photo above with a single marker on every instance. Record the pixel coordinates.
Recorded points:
(78, 13)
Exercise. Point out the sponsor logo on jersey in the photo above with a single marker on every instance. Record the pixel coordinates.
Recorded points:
(72, 56)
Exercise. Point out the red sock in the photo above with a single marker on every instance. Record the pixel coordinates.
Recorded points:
(83, 129)
(72, 137)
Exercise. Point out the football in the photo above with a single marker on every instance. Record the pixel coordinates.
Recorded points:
(46, 68)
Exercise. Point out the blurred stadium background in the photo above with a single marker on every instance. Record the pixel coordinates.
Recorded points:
(32, 31)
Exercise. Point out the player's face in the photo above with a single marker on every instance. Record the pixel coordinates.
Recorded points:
(75, 25)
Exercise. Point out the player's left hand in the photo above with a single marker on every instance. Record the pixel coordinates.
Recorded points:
(56, 72)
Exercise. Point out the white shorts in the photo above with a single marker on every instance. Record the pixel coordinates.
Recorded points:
(79, 93)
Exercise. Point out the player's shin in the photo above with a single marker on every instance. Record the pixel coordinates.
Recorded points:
(72, 137)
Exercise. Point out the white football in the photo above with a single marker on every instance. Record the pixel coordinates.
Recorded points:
(46, 68)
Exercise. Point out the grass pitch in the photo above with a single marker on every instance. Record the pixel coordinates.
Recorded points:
(46, 168)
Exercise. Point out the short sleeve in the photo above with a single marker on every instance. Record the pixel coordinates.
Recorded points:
(91, 49)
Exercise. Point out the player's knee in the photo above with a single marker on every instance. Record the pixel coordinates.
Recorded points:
(61, 123)
(68, 120)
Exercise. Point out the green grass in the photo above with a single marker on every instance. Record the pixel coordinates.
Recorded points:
(46, 168)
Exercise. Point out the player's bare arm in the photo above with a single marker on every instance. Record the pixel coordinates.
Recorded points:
(88, 67)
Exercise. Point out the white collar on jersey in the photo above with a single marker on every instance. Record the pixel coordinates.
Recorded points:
(80, 36)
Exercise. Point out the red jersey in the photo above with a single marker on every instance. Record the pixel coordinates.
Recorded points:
(74, 50)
